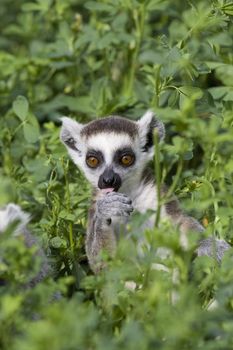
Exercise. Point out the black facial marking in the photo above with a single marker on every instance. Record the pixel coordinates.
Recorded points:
(96, 154)
(147, 176)
(150, 134)
(109, 179)
(109, 221)
(123, 152)
(70, 142)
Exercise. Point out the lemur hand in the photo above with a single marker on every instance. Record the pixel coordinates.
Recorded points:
(213, 247)
(113, 204)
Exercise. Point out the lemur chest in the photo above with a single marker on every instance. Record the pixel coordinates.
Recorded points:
(143, 199)
(146, 199)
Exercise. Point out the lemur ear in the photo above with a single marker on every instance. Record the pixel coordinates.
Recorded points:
(146, 125)
(70, 132)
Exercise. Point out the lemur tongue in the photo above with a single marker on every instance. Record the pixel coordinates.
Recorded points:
(107, 190)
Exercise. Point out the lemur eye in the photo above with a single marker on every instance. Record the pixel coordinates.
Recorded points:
(92, 161)
(127, 160)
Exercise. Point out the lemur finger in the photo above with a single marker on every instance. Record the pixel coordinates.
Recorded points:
(117, 212)
(119, 205)
(114, 204)
(109, 194)
(117, 197)
(106, 210)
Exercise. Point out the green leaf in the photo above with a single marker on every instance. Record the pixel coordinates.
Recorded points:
(77, 104)
(37, 168)
(42, 5)
(228, 9)
(229, 96)
(189, 92)
(188, 155)
(225, 74)
(7, 191)
(20, 107)
(218, 92)
(64, 214)
(156, 4)
(31, 131)
(96, 6)
(30, 6)
(57, 242)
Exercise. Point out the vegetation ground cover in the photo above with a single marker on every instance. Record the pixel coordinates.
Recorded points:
(94, 58)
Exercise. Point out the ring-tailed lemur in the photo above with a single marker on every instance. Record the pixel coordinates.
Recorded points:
(13, 214)
(113, 153)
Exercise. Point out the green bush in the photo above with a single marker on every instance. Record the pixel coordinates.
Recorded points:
(94, 58)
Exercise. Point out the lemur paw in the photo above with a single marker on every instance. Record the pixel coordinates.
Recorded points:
(213, 247)
(114, 204)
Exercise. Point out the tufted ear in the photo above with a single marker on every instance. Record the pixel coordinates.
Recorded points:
(70, 133)
(146, 125)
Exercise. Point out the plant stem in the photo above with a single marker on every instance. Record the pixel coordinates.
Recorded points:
(157, 176)
(139, 19)
(68, 207)
(175, 181)
(213, 194)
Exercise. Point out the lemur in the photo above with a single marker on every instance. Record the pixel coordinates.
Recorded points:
(12, 214)
(113, 154)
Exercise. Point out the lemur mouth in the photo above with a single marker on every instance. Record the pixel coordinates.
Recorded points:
(107, 190)
(109, 181)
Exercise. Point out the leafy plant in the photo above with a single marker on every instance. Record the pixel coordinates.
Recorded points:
(89, 59)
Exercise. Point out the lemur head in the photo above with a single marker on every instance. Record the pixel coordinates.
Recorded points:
(111, 151)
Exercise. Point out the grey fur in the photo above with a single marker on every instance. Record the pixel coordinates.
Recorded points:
(101, 233)
(137, 190)
(100, 236)
(113, 204)
(157, 124)
(12, 213)
(213, 247)
(112, 123)
(154, 124)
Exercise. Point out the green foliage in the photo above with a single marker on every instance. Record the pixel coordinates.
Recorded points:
(94, 58)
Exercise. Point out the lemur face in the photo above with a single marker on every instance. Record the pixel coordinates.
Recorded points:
(111, 151)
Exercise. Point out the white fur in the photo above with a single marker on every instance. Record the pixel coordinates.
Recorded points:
(144, 121)
(10, 214)
(144, 198)
(108, 143)
(144, 124)
(71, 125)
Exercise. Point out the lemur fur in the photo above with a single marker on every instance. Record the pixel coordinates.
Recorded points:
(13, 214)
(113, 153)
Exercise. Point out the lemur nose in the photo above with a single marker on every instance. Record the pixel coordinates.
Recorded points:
(109, 179)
